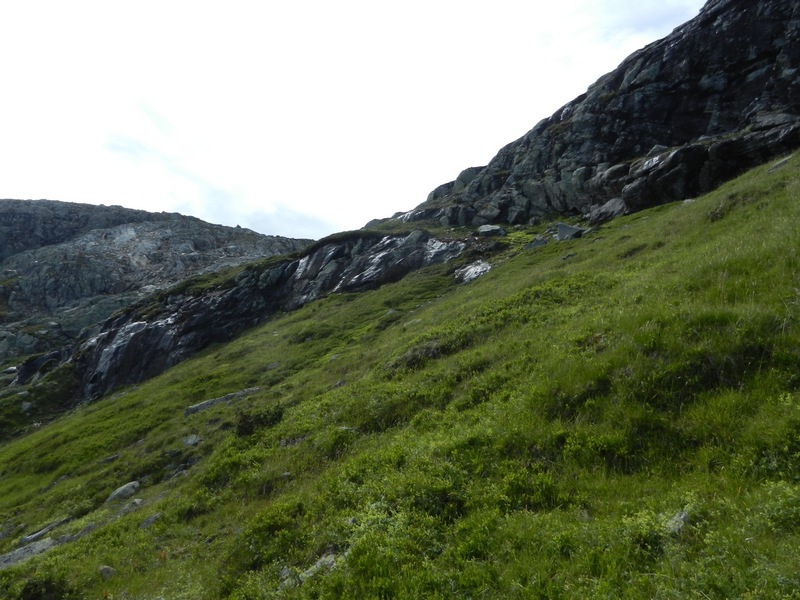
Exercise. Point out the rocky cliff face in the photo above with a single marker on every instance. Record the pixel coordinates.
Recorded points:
(66, 266)
(133, 347)
(150, 337)
(675, 119)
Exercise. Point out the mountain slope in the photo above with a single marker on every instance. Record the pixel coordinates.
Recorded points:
(612, 416)
(677, 118)
(162, 329)
(419, 411)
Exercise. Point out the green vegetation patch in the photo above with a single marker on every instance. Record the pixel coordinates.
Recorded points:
(621, 423)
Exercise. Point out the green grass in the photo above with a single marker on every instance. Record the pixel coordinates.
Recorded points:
(612, 417)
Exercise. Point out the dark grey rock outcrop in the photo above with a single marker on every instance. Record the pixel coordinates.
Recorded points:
(719, 95)
(146, 340)
(472, 271)
(491, 231)
(564, 232)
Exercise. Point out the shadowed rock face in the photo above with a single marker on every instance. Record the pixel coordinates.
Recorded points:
(94, 273)
(135, 346)
(159, 333)
(719, 95)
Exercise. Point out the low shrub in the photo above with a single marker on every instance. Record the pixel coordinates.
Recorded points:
(248, 422)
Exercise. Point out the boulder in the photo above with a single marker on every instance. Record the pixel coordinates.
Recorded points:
(20, 554)
(472, 271)
(537, 242)
(608, 211)
(326, 562)
(150, 520)
(133, 505)
(491, 231)
(123, 492)
(464, 178)
(441, 191)
(191, 440)
(677, 523)
(456, 215)
(564, 232)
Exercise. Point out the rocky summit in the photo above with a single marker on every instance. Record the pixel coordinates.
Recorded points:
(719, 95)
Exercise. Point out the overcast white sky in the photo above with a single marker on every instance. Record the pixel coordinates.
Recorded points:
(298, 118)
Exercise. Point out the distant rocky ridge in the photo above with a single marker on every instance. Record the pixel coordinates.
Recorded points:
(28, 225)
(719, 95)
(66, 267)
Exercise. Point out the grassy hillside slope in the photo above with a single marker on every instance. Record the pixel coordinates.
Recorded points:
(616, 416)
